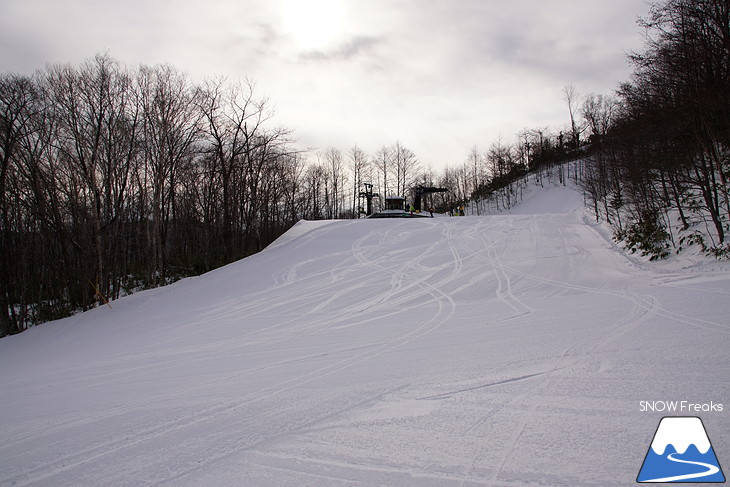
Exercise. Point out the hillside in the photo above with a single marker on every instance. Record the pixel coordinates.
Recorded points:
(501, 350)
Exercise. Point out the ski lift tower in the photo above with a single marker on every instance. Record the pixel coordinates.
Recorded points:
(421, 190)
(368, 195)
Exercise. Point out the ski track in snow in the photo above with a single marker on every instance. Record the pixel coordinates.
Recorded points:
(501, 350)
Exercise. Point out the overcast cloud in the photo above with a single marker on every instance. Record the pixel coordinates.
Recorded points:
(440, 76)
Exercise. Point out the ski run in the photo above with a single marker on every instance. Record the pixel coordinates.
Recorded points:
(515, 349)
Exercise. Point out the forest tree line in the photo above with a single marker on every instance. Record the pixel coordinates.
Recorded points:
(661, 149)
(113, 180)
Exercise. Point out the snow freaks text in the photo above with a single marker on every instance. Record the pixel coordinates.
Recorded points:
(679, 407)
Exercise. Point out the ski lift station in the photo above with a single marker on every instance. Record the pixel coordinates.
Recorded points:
(396, 206)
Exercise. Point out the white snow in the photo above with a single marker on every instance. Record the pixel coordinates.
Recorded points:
(502, 350)
(681, 432)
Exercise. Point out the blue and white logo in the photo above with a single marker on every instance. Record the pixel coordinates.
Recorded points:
(681, 452)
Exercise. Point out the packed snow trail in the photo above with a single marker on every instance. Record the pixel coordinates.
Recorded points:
(503, 350)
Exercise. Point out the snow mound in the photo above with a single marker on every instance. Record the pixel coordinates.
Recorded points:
(552, 198)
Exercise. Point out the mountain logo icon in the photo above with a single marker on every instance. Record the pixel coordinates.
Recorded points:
(680, 452)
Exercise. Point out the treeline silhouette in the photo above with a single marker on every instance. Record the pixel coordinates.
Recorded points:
(114, 180)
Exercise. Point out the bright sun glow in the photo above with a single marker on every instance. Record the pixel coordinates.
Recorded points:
(313, 24)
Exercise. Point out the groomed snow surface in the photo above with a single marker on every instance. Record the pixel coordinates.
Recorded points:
(502, 350)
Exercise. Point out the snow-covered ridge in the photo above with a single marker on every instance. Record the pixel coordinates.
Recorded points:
(302, 227)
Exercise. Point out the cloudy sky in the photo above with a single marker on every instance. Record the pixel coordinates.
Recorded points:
(440, 76)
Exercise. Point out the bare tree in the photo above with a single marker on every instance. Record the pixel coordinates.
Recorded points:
(404, 167)
(571, 98)
(599, 113)
(314, 192)
(234, 119)
(381, 161)
(171, 126)
(18, 102)
(97, 133)
(358, 164)
(475, 168)
(335, 182)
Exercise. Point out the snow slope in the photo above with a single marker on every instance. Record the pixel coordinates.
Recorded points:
(503, 350)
